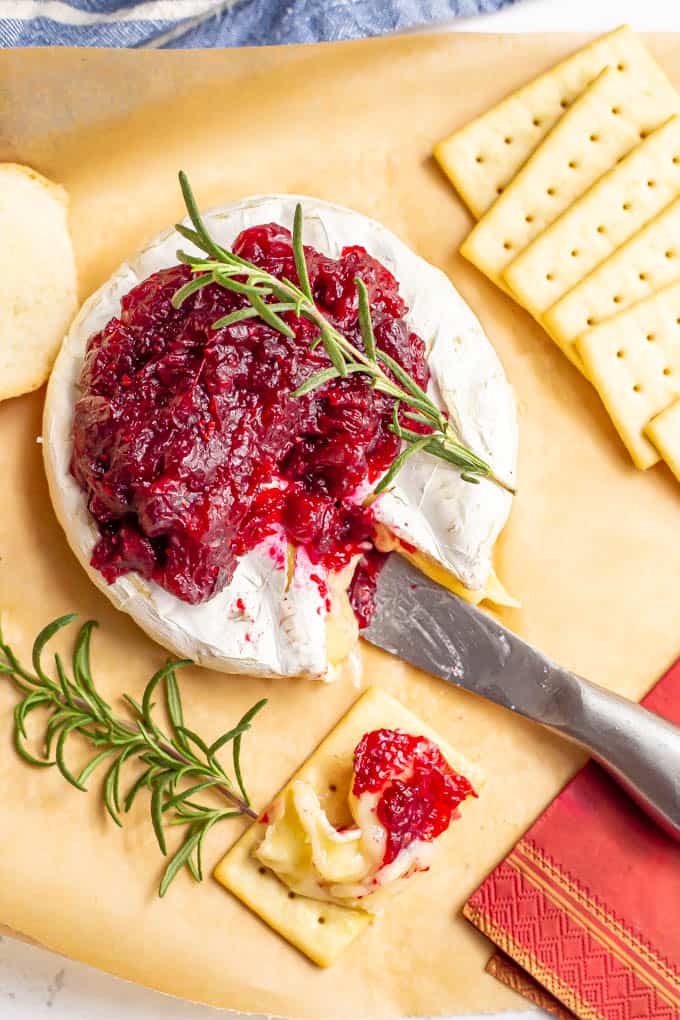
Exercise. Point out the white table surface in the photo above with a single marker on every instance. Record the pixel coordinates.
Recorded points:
(39, 985)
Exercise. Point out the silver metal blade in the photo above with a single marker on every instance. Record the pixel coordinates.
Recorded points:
(423, 623)
(429, 627)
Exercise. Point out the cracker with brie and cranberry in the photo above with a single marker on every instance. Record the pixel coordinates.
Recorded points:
(359, 819)
(233, 518)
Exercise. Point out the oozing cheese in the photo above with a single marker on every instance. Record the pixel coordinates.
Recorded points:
(283, 629)
(314, 858)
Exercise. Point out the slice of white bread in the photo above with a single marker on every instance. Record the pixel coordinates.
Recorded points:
(37, 277)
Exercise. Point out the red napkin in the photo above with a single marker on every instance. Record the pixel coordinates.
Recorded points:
(587, 905)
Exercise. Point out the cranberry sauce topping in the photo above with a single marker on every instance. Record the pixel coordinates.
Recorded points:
(419, 791)
(189, 444)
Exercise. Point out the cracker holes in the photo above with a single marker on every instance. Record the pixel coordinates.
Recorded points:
(262, 871)
(602, 229)
(621, 66)
(616, 110)
(536, 122)
(549, 277)
(333, 788)
(642, 277)
(508, 139)
(499, 190)
(291, 895)
(590, 321)
(637, 388)
(667, 371)
(643, 135)
(650, 338)
(528, 218)
(574, 253)
(479, 159)
(620, 354)
(651, 184)
(670, 254)
(564, 103)
(551, 191)
(594, 137)
(573, 165)
(626, 206)
(321, 919)
(507, 245)
(676, 160)
(617, 299)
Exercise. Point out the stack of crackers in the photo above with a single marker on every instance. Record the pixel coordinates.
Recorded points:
(575, 184)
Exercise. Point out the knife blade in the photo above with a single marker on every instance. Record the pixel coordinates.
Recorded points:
(423, 623)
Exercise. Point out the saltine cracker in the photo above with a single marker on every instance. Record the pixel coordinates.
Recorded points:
(607, 215)
(633, 360)
(320, 930)
(604, 123)
(664, 431)
(482, 157)
(648, 262)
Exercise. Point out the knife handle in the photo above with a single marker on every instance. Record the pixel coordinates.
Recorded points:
(641, 750)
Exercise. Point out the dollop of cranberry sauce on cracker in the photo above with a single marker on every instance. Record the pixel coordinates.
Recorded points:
(189, 443)
(418, 790)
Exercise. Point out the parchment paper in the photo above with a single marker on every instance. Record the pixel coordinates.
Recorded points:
(592, 549)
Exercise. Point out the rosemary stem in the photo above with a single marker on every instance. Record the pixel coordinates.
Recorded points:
(237, 801)
(172, 752)
(385, 374)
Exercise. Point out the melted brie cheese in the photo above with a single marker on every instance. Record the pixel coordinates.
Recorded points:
(315, 859)
(283, 629)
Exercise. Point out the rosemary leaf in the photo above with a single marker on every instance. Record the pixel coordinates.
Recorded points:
(75, 707)
(333, 351)
(242, 314)
(173, 703)
(365, 321)
(138, 784)
(196, 283)
(251, 290)
(405, 379)
(157, 797)
(270, 317)
(323, 376)
(92, 765)
(179, 798)
(316, 380)
(299, 254)
(398, 463)
(179, 860)
(45, 635)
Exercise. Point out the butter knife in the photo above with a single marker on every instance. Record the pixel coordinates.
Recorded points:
(424, 624)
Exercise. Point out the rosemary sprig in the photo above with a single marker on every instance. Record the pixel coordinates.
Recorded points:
(169, 760)
(269, 297)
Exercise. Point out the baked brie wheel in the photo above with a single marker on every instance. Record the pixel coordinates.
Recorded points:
(282, 607)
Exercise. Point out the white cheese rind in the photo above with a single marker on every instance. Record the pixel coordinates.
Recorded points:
(283, 631)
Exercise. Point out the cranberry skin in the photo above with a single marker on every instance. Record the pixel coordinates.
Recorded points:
(419, 791)
(180, 429)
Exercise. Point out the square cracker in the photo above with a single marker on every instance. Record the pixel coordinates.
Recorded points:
(603, 124)
(648, 262)
(633, 359)
(322, 931)
(477, 158)
(664, 431)
(606, 216)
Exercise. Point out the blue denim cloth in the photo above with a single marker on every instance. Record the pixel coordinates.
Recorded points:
(182, 23)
